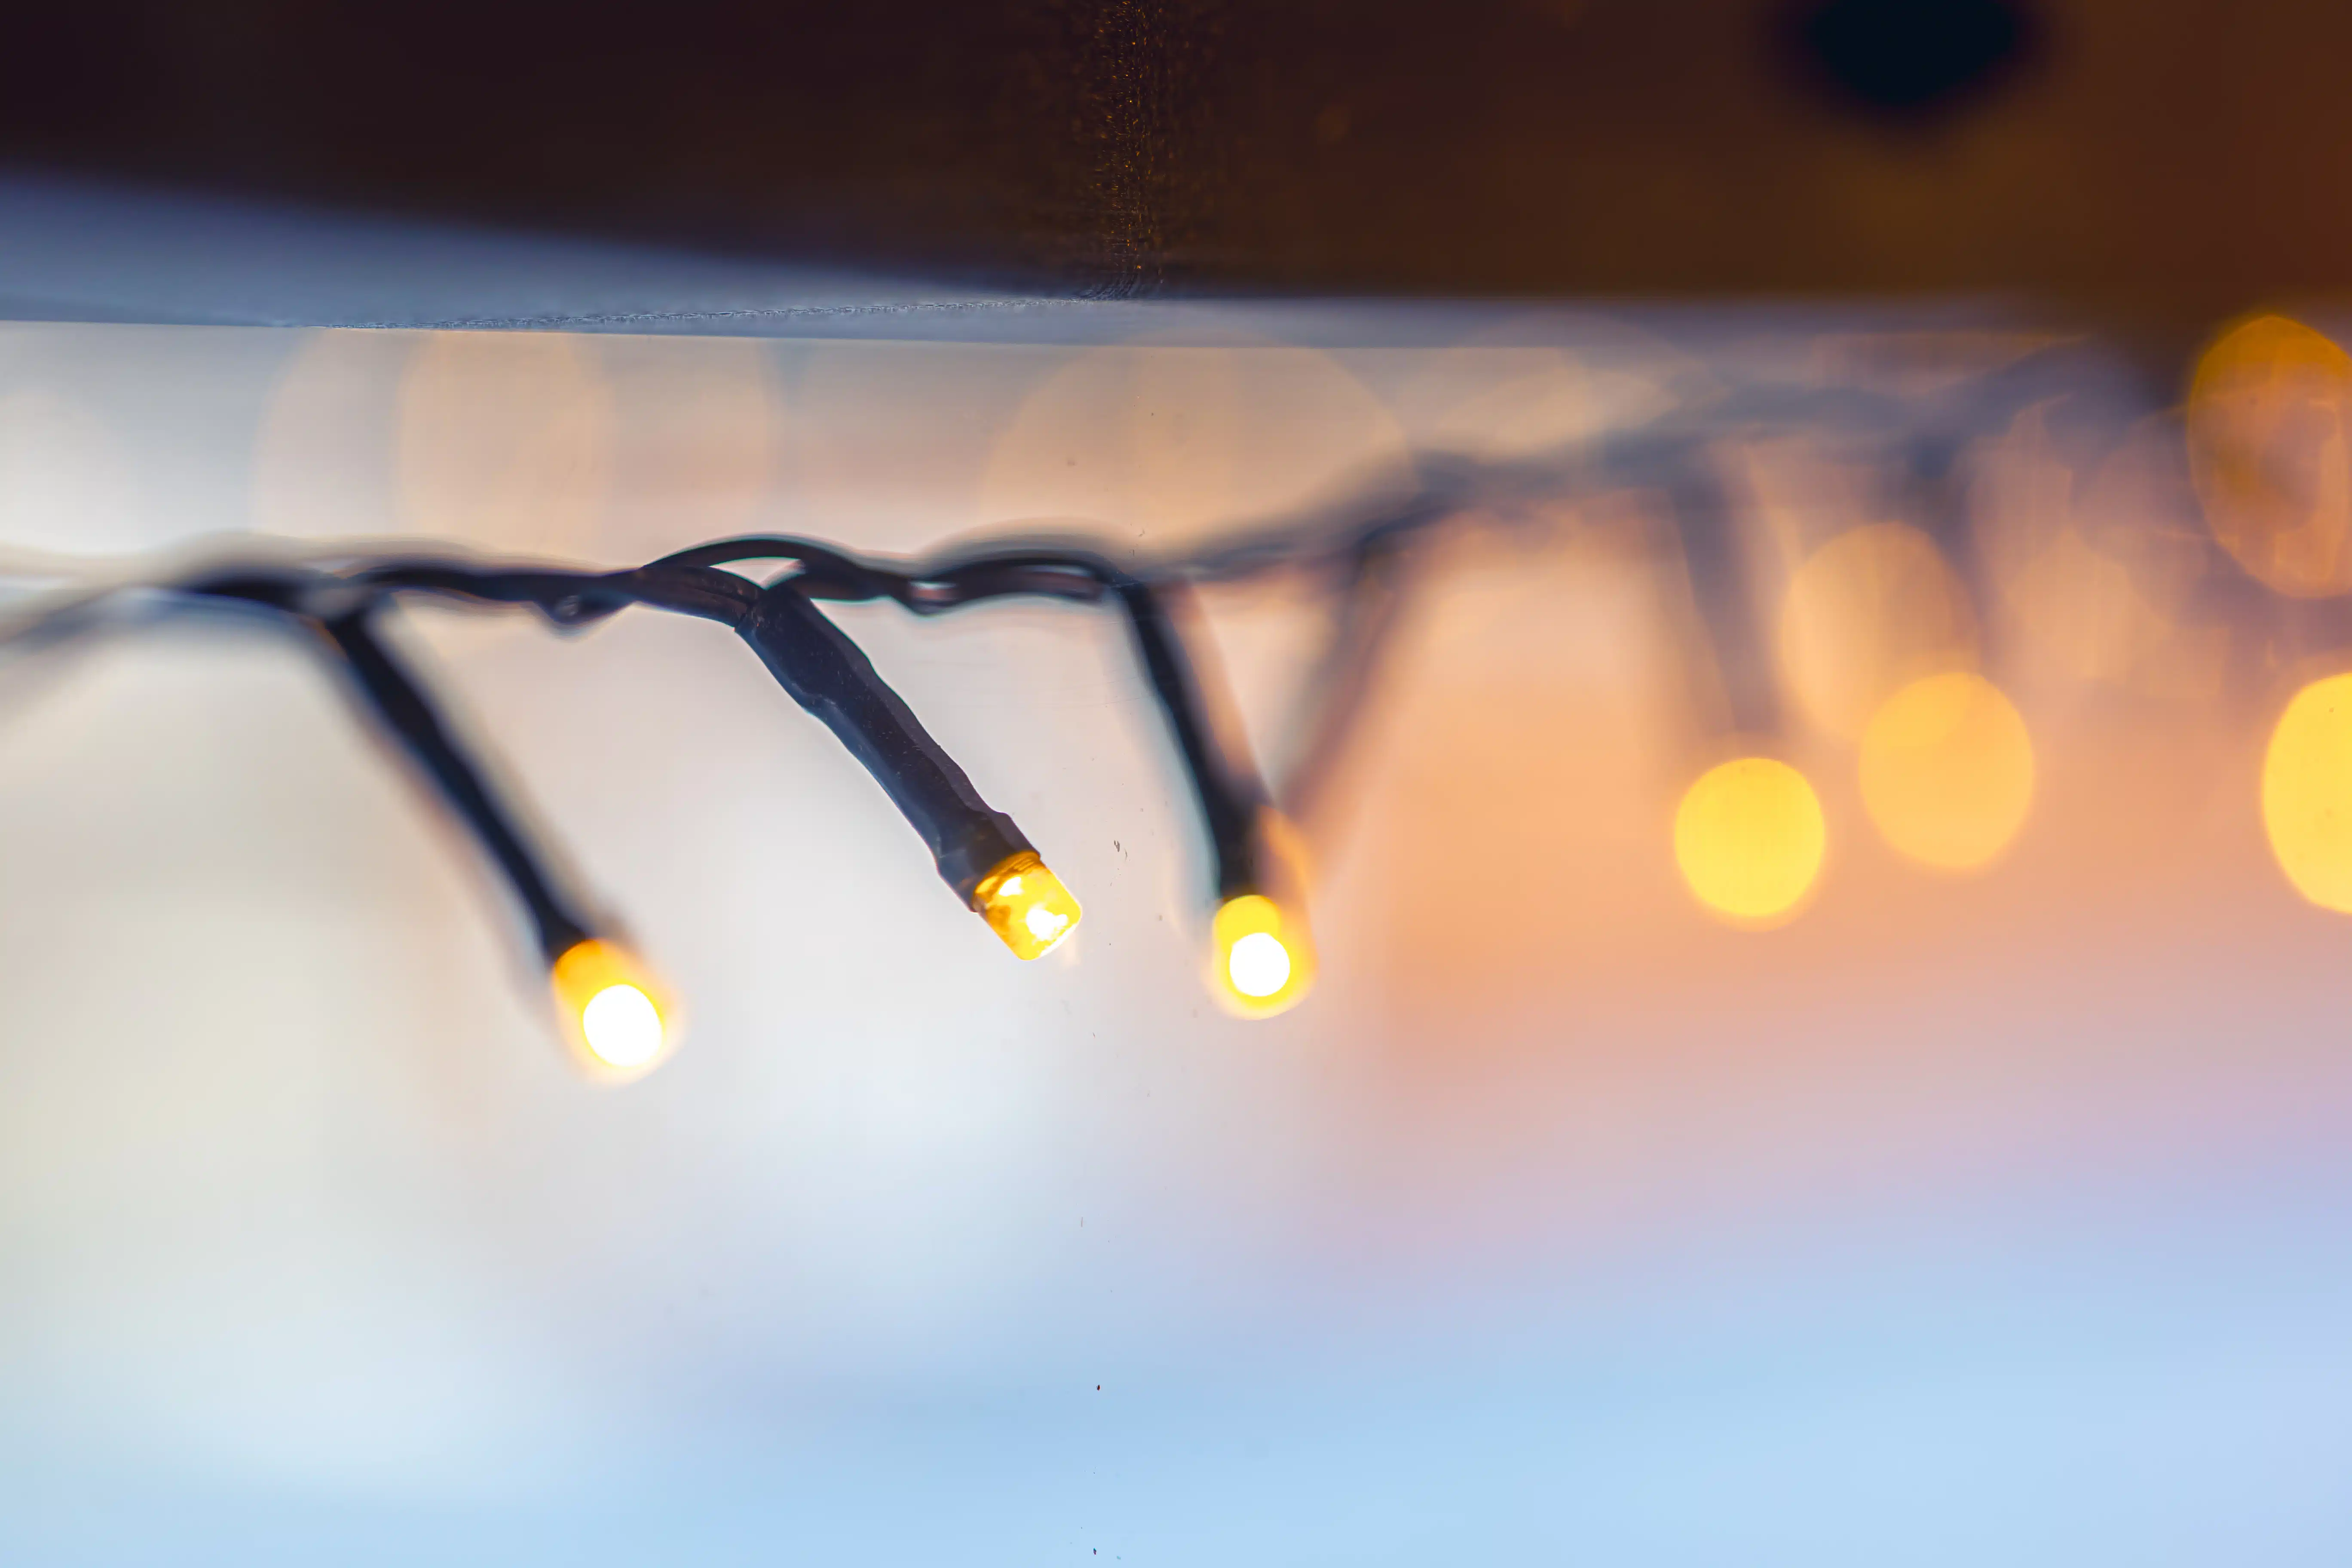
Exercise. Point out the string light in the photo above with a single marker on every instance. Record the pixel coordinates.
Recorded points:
(1748, 837)
(611, 1009)
(2306, 787)
(1027, 906)
(1262, 958)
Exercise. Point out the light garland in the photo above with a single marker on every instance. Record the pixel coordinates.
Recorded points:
(1748, 836)
(617, 1016)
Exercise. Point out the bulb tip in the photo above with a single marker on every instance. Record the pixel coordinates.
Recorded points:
(614, 1013)
(1261, 957)
(1026, 905)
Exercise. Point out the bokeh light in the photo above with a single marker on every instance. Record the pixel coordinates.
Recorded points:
(1947, 772)
(1869, 612)
(1749, 837)
(2307, 793)
(1262, 958)
(611, 1010)
(1259, 966)
(622, 1026)
(2270, 457)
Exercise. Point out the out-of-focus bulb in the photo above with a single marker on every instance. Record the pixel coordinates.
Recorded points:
(611, 1009)
(623, 1026)
(2268, 415)
(1026, 905)
(1748, 837)
(1259, 966)
(1261, 959)
(2307, 779)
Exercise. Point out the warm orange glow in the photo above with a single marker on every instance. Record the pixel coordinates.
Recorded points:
(1749, 837)
(1261, 959)
(1947, 772)
(1177, 438)
(1026, 905)
(2307, 793)
(613, 1012)
(506, 439)
(1874, 608)
(2270, 451)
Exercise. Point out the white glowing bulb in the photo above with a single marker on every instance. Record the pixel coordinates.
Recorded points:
(1047, 925)
(1259, 965)
(622, 1026)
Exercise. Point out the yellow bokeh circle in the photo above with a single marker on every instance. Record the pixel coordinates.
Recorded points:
(1261, 956)
(1947, 770)
(2307, 793)
(1748, 837)
(618, 1018)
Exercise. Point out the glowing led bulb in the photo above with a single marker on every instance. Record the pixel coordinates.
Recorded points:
(1263, 961)
(2307, 779)
(623, 1026)
(611, 1009)
(1026, 905)
(1748, 837)
(1259, 966)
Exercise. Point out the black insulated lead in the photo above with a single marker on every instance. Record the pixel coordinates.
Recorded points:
(830, 676)
(397, 700)
(1231, 797)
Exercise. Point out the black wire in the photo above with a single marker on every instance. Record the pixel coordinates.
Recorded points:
(1226, 786)
(397, 700)
(1231, 797)
(822, 669)
(343, 623)
(816, 663)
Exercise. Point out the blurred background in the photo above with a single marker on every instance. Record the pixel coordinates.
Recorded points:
(1828, 1045)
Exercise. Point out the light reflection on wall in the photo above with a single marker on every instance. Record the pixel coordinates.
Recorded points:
(1947, 770)
(506, 440)
(1870, 611)
(1166, 442)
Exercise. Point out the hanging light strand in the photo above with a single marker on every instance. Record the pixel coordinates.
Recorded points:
(1362, 545)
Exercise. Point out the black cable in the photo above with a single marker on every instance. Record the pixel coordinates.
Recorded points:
(341, 619)
(1226, 788)
(815, 661)
(397, 700)
(1230, 796)
(1365, 537)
